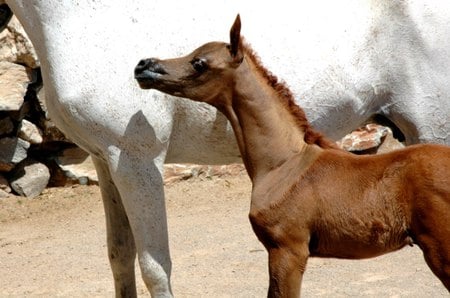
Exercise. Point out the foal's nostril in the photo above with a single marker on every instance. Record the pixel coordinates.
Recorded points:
(142, 63)
(151, 65)
(141, 66)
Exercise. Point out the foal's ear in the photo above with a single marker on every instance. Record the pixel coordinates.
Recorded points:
(235, 41)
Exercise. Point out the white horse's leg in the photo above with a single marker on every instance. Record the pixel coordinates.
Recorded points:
(121, 248)
(139, 181)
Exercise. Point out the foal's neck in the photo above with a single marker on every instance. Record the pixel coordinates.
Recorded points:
(269, 127)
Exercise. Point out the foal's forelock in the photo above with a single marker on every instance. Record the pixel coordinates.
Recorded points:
(287, 98)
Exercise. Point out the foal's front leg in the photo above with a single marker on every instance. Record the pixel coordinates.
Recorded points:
(286, 268)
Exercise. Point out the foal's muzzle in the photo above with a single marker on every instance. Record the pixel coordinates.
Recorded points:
(147, 72)
(148, 65)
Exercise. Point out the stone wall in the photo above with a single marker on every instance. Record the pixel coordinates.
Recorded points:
(34, 154)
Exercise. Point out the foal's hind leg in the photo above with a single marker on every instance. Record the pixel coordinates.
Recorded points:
(121, 247)
(437, 256)
(431, 231)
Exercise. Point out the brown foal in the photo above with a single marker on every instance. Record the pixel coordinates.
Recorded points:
(310, 198)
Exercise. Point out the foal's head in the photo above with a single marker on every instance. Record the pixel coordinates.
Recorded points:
(204, 75)
(210, 74)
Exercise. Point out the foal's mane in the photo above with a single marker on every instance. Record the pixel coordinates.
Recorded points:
(285, 95)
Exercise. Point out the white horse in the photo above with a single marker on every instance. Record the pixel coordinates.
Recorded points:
(345, 61)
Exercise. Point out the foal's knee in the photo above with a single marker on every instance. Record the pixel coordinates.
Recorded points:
(265, 230)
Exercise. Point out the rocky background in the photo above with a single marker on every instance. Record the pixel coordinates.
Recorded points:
(34, 154)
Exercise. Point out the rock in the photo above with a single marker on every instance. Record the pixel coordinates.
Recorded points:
(12, 151)
(6, 126)
(4, 194)
(41, 99)
(5, 15)
(29, 132)
(16, 47)
(389, 143)
(364, 138)
(30, 178)
(51, 132)
(13, 86)
(177, 172)
(222, 170)
(4, 185)
(370, 139)
(77, 166)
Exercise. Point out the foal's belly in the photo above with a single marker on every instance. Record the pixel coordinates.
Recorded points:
(358, 241)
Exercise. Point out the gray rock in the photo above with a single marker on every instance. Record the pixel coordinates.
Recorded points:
(30, 178)
(12, 151)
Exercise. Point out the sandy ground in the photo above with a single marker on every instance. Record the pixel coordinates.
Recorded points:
(55, 246)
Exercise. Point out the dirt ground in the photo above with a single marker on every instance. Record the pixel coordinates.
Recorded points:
(55, 246)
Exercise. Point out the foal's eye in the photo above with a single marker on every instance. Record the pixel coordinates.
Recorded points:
(199, 65)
